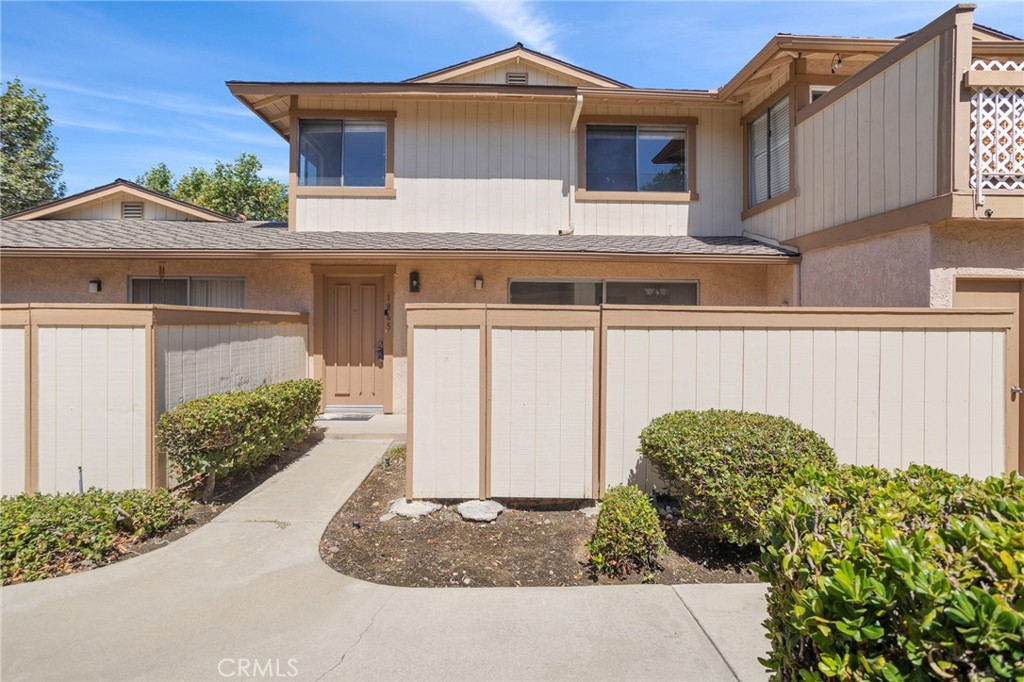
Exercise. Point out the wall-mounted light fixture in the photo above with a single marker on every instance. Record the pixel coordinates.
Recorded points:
(837, 62)
(479, 282)
(95, 286)
(414, 282)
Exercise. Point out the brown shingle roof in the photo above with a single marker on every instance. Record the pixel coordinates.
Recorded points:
(161, 235)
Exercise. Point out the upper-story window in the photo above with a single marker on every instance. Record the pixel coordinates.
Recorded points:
(636, 158)
(768, 150)
(342, 153)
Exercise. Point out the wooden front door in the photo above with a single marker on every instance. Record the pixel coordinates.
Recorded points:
(1004, 293)
(354, 340)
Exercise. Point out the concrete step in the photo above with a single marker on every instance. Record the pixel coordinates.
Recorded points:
(380, 427)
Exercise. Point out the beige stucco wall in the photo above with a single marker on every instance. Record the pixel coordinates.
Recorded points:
(984, 249)
(887, 271)
(269, 284)
(288, 285)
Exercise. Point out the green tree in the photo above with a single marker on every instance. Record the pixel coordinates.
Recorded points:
(29, 170)
(158, 178)
(235, 188)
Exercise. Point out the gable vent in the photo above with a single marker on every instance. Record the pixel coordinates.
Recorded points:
(131, 210)
(516, 78)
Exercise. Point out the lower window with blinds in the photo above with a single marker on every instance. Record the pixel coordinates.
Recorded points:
(208, 292)
(596, 292)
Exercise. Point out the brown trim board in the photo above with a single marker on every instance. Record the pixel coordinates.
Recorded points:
(921, 213)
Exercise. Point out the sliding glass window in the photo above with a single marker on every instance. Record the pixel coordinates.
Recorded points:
(342, 153)
(636, 158)
(595, 292)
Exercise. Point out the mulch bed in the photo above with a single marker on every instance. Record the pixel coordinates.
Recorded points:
(226, 493)
(525, 546)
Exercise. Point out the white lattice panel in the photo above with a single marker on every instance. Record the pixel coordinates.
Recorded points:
(997, 132)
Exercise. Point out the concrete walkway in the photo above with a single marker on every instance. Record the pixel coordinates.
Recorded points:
(248, 597)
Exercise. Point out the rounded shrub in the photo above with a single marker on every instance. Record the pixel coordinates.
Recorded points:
(229, 433)
(628, 536)
(727, 467)
(903, 575)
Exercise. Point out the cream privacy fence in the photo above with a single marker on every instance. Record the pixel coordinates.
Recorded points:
(83, 385)
(547, 402)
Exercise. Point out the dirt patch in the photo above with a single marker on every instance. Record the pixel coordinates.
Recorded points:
(227, 492)
(525, 546)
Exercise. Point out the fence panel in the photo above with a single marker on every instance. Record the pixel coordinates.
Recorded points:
(885, 387)
(861, 379)
(83, 385)
(14, 359)
(447, 387)
(195, 360)
(542, 388)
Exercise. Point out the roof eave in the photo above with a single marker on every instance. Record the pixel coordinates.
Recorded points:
(391, 254)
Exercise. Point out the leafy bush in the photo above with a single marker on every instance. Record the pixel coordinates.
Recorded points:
(896, 576)
(47, 535)
(628, 535)
(233, 432)
(727, 467)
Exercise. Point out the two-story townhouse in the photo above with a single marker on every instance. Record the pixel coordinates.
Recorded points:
(828, 171)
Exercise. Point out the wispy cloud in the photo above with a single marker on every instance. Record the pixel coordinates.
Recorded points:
(89, 124)
(165, 101)
(522, 21)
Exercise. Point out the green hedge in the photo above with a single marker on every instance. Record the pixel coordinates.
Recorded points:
(47, 535)
(896, 576)
(228, 433)
(727, 467)
(628, 536)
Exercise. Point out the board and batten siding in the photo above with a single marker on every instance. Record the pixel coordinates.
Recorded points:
(13, 424)
(880, 397)
(91, 407)
(535, 75)
(871, 151)
(202, 359)
(508, 168)
(542, 413)
(446, 389)
(110, 209)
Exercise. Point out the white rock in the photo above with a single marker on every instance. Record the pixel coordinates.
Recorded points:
(480, 510)
(409, 509)
(591, 512)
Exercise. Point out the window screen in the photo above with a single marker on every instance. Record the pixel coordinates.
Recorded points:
(167, 291)
(342, 153)
(555, 293)
(217, 292)
(636, 158)
(210, 292)
(651, 293)
(768, 149)
(593, 293)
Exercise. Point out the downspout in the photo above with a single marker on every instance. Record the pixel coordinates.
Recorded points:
(573, 170)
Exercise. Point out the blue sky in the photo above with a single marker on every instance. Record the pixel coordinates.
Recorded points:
(131, 84)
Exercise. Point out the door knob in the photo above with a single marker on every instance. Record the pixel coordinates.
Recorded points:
(1016, 390)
